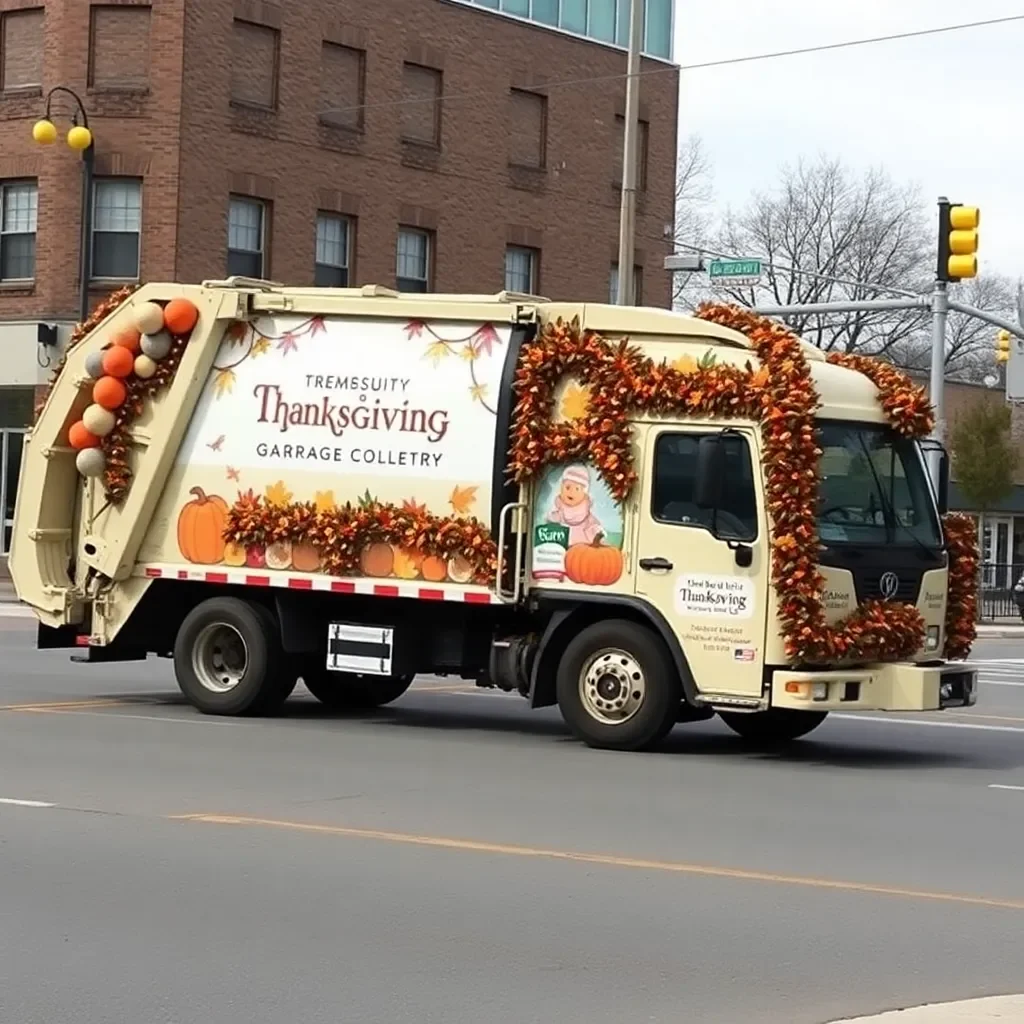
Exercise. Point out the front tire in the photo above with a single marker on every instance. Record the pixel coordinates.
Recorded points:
(774, 727)
(617, 687)
(347, 691)
(228, 658)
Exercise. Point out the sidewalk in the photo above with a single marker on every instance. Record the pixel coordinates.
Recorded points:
(1001, 630)
(1007, 1009)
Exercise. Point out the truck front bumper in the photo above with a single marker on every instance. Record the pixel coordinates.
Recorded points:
(902, 686)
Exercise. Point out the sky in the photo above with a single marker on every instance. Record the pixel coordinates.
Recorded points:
(945, 113)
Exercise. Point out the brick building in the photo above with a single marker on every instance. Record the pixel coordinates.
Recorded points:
(455, 145)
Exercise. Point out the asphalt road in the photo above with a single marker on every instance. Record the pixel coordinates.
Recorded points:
(457, 858)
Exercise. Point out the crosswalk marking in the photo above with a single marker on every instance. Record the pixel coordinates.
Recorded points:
(1000, 671)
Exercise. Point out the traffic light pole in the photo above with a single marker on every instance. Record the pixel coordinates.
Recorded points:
(937, 378)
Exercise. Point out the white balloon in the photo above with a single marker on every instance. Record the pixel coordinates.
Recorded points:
(149, 318)
(90, 462)
(144, 367)
(97, 420)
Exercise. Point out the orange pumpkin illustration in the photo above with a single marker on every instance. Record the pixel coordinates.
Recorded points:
(377, 559)
(305, 557)
(434, 569)
(594, 565)
(234, 554)
(201, 528)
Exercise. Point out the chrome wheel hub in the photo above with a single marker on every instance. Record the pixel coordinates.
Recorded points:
(220, 658)
(612, 686)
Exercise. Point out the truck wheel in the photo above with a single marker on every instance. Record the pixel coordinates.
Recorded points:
(228, 659)
(775, 726)
(347, 691)
(617, 687)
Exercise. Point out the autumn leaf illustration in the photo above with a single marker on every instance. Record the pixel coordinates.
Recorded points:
(685, 364)
(468, 353)
(287, 343)
(324, 501)
(414, 329)
(366, 499)
(233, 474)
(260, 345)
(317, 326)
(707, 360)
(237, 331)
(760, 379)
(277, 494)
(485, 339)
(478, 392)
(224, 382)
(436, 351)
(575, 402)
(410, 505)
(216, 445)
(462, 499)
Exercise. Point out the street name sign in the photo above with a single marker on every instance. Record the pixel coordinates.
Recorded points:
(734, 272)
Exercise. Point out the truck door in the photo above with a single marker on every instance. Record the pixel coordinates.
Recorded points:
(706, 569)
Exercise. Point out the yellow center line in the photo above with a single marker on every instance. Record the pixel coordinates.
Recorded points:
(60, 705)
(606, 860)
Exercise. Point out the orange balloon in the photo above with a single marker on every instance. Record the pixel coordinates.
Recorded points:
(128, 338)
(180, 316)
(80, 437)
(118, 361)
(109, 392)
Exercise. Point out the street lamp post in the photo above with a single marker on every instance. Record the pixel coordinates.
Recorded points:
(80, 139)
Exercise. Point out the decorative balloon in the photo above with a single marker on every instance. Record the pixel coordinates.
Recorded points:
(94, 364)
(109, 392)
(180, 316)
(118, 361)
(79, 436)
(145, 367)
(90, 462)
(128, 338)
(98, 421)
(149, 318)
(157, 345)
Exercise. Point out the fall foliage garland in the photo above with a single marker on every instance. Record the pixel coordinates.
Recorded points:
(781, 394)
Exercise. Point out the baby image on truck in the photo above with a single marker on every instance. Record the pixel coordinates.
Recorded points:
(574, 507)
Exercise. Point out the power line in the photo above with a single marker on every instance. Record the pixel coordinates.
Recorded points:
(798, 51)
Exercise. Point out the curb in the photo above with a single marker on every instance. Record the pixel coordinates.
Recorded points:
(1000, 632)
(1004, 1009)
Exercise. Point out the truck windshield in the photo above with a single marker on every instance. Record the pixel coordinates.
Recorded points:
(874, 488)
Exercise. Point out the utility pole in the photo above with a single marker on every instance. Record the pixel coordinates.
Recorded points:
(937, 379)
(627, 211)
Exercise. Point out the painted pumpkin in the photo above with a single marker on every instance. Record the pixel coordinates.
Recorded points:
(256, 556)
(234, 554)
(201, 528)
(407, 563)
(305, 557)
(460, 569)
(377, 559)
(593, 565)
(279, 555)
(434, 569)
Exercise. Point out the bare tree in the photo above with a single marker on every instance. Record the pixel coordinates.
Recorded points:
(828, 236)
(694, 220)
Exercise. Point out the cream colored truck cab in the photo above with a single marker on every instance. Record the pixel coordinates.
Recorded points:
(315, 484)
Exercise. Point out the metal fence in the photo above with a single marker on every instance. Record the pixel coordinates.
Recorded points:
(996, 598)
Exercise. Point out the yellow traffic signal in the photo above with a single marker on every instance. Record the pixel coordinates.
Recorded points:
(1003, 347)
(958, 241)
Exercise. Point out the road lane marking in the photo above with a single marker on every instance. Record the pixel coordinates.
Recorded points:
(606, 860)
(57, 705)
(1016, 789)
(924, 721)
(11, 801)
(117, 716)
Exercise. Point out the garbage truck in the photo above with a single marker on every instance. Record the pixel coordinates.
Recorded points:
(641, 517)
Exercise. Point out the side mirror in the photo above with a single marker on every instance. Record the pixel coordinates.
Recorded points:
(942, 499)
(707, 491)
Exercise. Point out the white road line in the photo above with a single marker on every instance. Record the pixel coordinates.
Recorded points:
(923, 721)
(1016, 789)
(24, 803)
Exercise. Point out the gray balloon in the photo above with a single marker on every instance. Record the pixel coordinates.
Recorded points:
(94, 364)
(156, 346)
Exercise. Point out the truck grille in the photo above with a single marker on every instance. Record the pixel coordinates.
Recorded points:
(869, 585)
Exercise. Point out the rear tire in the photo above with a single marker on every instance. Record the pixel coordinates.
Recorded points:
(617, 686)
(228, 659)
(347, 691)
(774, 727)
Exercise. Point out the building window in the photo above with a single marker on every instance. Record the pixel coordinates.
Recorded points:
(254, 62)
(246, 237)
(528, 126)
(21, 49)
(604, 20)
(19, 201)
(116, 227)
(641, 152)
(638, 285)
(521, 269)
(333, 241)
(119, 46)
(342, 86)
(414, 269)
(421, 105)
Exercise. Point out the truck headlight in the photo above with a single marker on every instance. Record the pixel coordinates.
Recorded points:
(931, 640)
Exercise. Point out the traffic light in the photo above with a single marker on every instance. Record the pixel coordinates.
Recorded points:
(1003, 347)
(958, 241)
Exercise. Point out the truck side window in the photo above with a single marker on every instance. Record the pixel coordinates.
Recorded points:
(675, 470)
